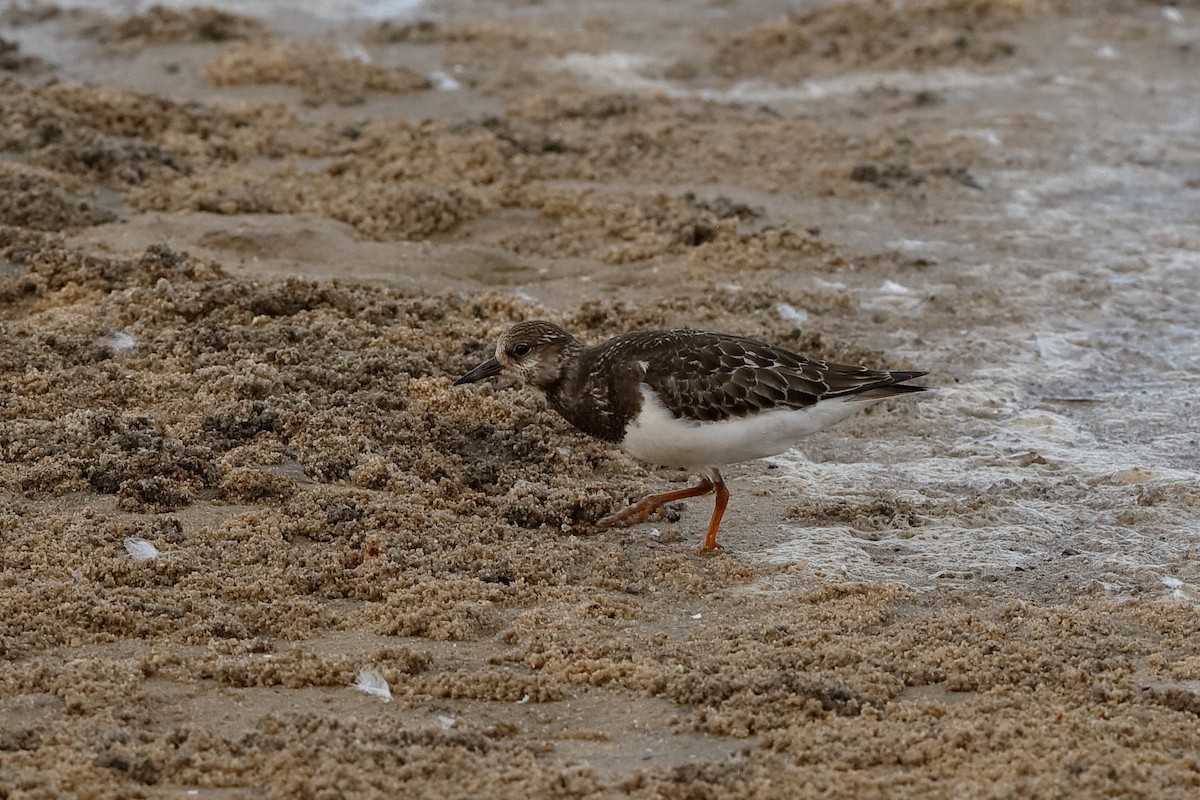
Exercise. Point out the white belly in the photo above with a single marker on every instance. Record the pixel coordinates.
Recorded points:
(658, 437)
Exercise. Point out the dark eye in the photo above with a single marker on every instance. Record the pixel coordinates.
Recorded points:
(521, 350)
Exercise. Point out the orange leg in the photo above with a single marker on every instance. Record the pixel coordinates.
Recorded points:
(642, 509)
(710, 539)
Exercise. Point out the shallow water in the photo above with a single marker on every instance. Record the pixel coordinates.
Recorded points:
(1100, 377)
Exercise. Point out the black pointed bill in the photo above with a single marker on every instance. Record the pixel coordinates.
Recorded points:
(487, 369)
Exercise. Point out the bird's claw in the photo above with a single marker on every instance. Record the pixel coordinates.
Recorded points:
(628, 517)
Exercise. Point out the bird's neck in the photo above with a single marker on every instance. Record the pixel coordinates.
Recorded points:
(569, 368)
(590, 403)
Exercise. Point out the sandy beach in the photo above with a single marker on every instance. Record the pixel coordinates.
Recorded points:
(243, 258)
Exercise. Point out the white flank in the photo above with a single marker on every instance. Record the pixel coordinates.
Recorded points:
(140, 549)
(372, 683)
(655, 435)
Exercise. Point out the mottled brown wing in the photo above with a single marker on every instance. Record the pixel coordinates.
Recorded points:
(710, 376)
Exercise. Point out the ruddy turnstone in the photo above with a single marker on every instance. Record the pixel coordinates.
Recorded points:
(687, 399)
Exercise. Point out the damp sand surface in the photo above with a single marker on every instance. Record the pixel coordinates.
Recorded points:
(243, 259)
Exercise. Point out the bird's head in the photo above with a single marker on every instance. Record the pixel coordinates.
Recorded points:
(533, 352)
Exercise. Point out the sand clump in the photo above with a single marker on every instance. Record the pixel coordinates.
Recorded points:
(38, 201)
(12, 61)
(323, 74)
(874, 35)
(161, 25)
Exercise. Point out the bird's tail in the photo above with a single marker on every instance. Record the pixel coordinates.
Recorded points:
(894, 385)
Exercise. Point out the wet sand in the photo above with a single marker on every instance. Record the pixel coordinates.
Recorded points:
(241, 262)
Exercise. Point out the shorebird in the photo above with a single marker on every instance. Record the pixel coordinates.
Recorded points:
(688, 399)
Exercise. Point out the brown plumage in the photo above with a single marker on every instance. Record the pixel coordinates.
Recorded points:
(721, 396)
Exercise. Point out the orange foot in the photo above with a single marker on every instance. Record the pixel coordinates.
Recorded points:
(655, 504)
(651, 504)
